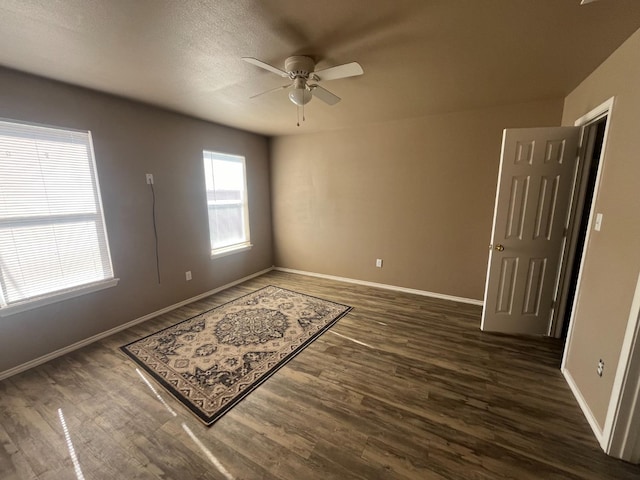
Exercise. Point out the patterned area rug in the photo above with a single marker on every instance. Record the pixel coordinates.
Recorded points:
(213, 360)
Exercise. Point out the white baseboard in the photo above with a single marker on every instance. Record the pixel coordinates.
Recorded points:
(593, 423)
(385, 286)
(119, 328)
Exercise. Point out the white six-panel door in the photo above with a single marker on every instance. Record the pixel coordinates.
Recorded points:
(537, 169)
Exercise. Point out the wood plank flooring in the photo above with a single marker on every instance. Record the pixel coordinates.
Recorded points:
(404, 387)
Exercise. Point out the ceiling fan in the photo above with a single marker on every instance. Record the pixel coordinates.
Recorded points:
(304, 78)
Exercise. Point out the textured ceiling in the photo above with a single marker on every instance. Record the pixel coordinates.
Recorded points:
(419, 56)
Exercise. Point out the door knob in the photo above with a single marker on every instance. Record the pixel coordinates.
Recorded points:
(499, 247)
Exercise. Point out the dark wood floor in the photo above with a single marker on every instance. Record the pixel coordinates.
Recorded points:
(404, 387)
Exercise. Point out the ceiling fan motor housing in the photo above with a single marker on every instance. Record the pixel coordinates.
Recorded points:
(299, 66)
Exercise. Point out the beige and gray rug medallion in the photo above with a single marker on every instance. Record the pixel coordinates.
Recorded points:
(213, 360)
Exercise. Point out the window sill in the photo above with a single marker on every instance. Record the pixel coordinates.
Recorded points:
(223, 252)
(57, 297)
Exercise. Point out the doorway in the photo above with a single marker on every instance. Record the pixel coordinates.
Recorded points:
(595, 126)
(593, 141)
(541, 225)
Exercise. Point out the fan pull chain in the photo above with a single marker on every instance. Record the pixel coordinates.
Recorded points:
(298, 113)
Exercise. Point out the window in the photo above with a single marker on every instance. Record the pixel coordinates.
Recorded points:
(53, 241)
(226, 185)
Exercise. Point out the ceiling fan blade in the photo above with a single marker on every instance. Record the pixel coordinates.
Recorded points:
(323, 94)
(270, 90)
(339, 71)
(266, 66)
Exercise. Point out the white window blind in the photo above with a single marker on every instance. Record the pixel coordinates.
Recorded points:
(226, 186)
(52, 234)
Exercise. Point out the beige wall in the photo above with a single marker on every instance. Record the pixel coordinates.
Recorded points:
(130, 140)
(417, 193)
(612, 258)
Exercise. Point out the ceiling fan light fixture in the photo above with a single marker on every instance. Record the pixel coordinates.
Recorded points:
(301, 70)
(300, 96)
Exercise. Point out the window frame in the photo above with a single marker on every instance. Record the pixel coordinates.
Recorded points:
(244, 203)
(58, 295)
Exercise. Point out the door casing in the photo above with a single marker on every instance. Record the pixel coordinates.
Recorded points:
(577, 208)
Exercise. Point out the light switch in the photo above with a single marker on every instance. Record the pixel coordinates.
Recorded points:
(598, 222)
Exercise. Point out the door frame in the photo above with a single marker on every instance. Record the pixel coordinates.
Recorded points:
(605, 108)
(569, 249)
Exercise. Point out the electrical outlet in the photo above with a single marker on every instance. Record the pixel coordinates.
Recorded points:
(149, 177)
(187, 275)
(600, 367)
(379, 262)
